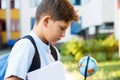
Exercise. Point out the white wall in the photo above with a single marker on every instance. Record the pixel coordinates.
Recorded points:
(108, 10)
(92, 13)
(26, 12)
(17, 4)
(116, 20)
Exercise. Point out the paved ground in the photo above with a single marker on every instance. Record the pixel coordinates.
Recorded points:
(68, 74)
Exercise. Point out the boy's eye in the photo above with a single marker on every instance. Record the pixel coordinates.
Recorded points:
(62, 28)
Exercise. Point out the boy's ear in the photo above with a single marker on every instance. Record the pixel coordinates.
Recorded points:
(46, 20)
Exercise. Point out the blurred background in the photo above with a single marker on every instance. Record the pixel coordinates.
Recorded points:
(95, 34)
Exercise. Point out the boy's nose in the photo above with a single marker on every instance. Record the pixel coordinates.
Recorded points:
(63, 34)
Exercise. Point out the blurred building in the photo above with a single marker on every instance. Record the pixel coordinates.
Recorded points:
(9, 21)
(95, 17)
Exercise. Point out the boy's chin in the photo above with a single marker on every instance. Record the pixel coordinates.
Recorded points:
(53, 43)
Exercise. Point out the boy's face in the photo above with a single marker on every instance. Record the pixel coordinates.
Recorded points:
(55, 30)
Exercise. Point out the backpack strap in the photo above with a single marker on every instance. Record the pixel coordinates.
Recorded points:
(53, 53)
(36, 57)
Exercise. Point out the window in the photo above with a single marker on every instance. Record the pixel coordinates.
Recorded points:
(76, 2)
(2, 25)
(34, 3)
(12, 4)
(0, 4)
(32, 22)
(76, 27)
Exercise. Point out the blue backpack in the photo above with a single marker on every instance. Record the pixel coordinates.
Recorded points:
(3, 65)
(36, 59)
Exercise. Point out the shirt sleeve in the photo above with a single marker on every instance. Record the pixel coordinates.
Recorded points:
(20, 59)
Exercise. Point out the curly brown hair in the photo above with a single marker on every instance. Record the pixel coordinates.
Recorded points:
(58, 10)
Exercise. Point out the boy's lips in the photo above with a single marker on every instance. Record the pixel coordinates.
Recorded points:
(59, 38)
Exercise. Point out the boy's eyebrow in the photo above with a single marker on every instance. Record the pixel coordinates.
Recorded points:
(64, 26)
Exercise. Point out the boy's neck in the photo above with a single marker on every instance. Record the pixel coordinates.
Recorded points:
(39, 33)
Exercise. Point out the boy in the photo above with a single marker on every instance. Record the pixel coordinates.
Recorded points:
(53, 17)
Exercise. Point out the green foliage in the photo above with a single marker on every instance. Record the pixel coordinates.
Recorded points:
(99, 56)
(62, 49)
(100, 36)
(100, 49)
(73, 48)
(67, 58)
(109, 46)
(115, 56)
(91, 46)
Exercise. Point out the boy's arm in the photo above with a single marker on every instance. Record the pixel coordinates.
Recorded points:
(13, 78)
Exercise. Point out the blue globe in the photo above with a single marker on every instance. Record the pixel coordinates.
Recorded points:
(87, 65)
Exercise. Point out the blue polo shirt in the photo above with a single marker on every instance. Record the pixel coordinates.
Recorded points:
(22, 54)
